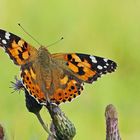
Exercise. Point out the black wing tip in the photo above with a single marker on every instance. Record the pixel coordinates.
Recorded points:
(111, 68)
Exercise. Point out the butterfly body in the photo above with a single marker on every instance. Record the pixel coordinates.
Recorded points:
(53, 77)
(42, 73)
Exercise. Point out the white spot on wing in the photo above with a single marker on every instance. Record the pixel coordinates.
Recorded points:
(93, 59)
(99, 67)
(7, 35)
(4, 41)
(105, 59)
(105, 67)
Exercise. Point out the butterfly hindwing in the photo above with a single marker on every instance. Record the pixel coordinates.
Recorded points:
(65, 88)
(70, 87)
(17, 48)
(29, 80)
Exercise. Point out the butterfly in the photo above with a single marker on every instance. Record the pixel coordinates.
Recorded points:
(55, 77)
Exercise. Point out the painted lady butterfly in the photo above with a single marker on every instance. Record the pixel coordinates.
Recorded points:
(53, 77)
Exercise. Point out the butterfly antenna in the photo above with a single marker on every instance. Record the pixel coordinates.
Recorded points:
(29, 34)
(56, 42)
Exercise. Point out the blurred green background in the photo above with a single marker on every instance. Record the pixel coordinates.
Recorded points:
(105, 28)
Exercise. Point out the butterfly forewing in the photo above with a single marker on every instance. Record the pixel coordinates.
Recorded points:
(17, 48)
(87, 67)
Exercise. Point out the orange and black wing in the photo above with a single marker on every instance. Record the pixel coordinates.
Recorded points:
(29, 80)
(79, 68)
(69, 88)
(17, 48)
(86, 67)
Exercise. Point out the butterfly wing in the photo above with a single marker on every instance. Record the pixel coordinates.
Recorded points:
(78, 68)
(17, 48)
(22, 54)
(69, 86)
(30, 82)
(86, 67)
